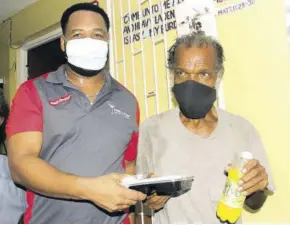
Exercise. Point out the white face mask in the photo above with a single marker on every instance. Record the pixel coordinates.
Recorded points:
(87, 53)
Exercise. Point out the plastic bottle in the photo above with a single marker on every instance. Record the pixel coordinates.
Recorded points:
(232, 201)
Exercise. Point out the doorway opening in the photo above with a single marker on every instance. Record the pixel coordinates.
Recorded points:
(23, 65)
(44, 58)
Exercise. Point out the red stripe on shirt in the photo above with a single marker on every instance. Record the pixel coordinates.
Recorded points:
(131, 153)
(26, 110)
(30, 202)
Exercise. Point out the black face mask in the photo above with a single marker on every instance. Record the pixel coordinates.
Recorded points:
(83, 72)
(194, 99)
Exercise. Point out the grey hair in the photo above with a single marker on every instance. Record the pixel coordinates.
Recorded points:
(200, 40)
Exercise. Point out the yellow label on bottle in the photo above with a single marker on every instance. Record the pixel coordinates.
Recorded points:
(231, 196)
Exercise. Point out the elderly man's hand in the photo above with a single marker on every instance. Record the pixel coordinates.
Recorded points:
(156, 202)
(255, 178)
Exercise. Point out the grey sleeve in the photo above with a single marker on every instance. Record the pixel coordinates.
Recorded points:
(144, 155)
(258, 150)
(144, 162)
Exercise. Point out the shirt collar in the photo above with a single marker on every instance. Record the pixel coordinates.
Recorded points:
(59, 77)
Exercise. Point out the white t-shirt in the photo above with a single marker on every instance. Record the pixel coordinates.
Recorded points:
(166, 147)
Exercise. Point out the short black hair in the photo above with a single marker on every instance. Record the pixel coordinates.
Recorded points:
(83, 6)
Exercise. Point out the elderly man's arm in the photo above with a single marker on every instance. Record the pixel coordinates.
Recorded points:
(256, 200)
(254, 185)
(258, 182)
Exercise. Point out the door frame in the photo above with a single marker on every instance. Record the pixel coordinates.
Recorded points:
(111, 44)
(22, 71)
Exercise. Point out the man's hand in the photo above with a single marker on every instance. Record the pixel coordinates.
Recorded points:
(108, 193)
(156, 202)
(255, 178)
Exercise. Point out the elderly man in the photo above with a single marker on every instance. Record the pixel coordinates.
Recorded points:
(71, 132)
(199, 139)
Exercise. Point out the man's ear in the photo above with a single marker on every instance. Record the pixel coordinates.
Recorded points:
(62, 43)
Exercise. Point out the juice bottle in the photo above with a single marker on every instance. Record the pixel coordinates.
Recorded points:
(231, 204)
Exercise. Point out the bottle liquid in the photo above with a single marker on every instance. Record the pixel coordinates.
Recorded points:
(232, 201)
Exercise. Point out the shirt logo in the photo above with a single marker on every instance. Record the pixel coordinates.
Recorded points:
(60, 100)
(115, 111)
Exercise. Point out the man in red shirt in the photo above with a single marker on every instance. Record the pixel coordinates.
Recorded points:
(72, 131)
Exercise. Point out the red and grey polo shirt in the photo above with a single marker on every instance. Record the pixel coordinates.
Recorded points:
(78, 138)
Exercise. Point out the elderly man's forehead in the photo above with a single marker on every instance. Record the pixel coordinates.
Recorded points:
(195, 50)
(195, 55)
